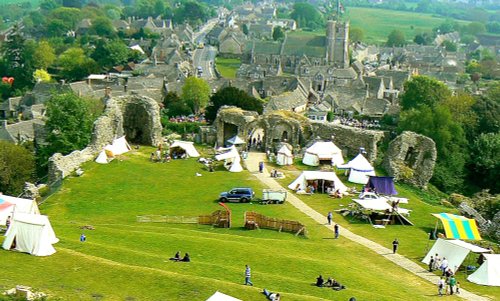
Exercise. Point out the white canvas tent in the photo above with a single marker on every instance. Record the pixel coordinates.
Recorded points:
(323, 151)
(31, 234)
(231, 157)
(360, 168)
(17, 205)
(454, 250)
(236, 140)
(301, 181)
(218, 296)
(118, 147)
(489, 272)
(284, 156)
(187, 146)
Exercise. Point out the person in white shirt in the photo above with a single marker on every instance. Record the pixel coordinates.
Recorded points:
(440, 285)
(444, 265)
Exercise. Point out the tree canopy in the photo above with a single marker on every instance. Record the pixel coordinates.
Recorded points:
(423, 90)
(76, 65)
(396, 38)
(231, 96)
(17, 165)
(196, 93)
(306, 15)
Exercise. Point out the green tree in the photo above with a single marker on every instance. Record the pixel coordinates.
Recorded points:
(102, 27)
(460, 106)
(356, 34)
(486, 162)
(175, 106)
(475, 28)
(17, 165)
(231, 96)
(278, 33)
(423, 90)
(306, 14)
(396, 38)
(449, 46)
(44, 55)
(69, 123)
(75, 65)
(68, 16)
(108, 54)
(193, 12)
(487, 110)
(196, 93)
(49, 5)
(244, 28)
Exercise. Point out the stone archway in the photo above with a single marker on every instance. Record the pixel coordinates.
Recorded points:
(141, 121)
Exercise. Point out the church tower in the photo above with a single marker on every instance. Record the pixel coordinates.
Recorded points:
(337, 44)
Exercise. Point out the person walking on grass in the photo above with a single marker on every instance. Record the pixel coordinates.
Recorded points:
(440, 285)
(452, 284)
(336, 229)
(248, 274)
(395, 245)
(329, 217)
(431, 264)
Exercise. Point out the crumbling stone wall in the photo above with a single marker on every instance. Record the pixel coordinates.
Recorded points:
(114, 123)
(411, 158)
(350, 139)
(297, 130)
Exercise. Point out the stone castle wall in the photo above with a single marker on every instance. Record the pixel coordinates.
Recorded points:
(109, 127)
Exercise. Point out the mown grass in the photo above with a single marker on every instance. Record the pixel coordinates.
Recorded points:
(378, 23)
(126, 260)
(228, 67)
(414, 240)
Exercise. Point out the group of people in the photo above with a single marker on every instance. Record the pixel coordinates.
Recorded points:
(447, 283)
(275, 173)
(178, 119)
(364, 124)
(177, 257)
(320, 282)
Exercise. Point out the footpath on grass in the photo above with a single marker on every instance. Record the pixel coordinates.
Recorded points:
(252, 163)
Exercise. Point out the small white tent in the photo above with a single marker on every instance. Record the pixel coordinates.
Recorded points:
(236, 140)
(489, 272)
(32, 234)
(284, 156)
(187, 146)
(218, 296)
(102, 158)
(455, 251)
(231, 157)
(323, 151)
(119, 146)
(360, 168)
(16, 205)
(301, 181)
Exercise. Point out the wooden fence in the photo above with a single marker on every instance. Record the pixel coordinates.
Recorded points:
(255, 220)
(218, 218)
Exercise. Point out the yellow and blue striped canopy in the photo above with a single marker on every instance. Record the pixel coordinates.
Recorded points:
(459, 227)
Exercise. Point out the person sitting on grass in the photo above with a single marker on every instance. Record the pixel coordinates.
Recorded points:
(329, 282)
(186, 258)
(320, 281)
(177, 256)
(271, 296)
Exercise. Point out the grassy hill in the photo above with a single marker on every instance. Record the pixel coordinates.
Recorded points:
(378, 23)
(126, 260)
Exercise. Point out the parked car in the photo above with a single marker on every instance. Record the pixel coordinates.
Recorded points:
(241, 195)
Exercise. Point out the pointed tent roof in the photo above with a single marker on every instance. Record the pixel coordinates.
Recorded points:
(236, 140)
(359, 163)
(382, 185)
(285, 151)
(489, 272)
(218, 296)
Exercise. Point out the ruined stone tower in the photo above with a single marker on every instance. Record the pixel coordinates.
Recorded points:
(337, 43)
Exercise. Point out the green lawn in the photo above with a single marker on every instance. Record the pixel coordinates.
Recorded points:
(126, 260)
(414, 242)
(228, 67)
(378, 23)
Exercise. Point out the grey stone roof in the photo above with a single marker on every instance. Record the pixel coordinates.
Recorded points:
(286, 101)
(398, 77)
(375, 107)
(22, 131)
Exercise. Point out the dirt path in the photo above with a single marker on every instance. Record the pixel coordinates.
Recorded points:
(252, 163)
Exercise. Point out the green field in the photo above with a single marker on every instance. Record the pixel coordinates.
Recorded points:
(228, 67)
(126, 260)
(378, 23)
